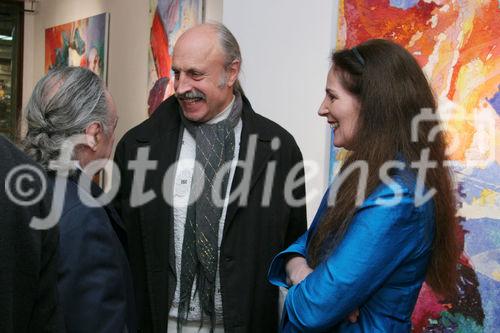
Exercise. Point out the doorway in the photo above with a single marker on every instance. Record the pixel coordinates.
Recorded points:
(11, 41)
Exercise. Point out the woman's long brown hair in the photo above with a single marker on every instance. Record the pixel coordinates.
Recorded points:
(392, 90)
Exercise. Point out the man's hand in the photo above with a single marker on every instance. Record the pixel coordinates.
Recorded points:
(297, 270)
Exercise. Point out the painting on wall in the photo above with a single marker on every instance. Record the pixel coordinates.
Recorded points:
(169, 19)
(81, 43)
(456, 42)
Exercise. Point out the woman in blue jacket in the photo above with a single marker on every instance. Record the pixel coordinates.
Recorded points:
(387, 222)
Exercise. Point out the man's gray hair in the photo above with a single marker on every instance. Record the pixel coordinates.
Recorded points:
(64, 102)
(229, 46)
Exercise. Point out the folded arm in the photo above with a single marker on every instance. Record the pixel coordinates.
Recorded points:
(378, 240)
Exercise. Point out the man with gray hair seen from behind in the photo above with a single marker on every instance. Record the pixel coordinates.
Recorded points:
(71, 104)
(199, 254)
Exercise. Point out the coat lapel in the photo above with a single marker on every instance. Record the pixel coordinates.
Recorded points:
(157, 215)
(263, 153)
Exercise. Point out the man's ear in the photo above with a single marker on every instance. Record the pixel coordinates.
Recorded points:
(91, 133)
(233, 70)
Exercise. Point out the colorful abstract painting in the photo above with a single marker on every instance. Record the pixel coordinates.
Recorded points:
(457, 43)
(169, 19)
(81, 43)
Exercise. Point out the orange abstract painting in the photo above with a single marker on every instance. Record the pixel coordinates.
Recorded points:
(457, 43)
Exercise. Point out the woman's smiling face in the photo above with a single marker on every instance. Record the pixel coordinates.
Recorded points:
(341, 110)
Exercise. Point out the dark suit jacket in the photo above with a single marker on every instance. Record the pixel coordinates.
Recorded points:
(95, 284)
(252, 234)
(28, 264)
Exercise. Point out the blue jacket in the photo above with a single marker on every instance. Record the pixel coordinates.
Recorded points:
(378, 267)
(94, 279)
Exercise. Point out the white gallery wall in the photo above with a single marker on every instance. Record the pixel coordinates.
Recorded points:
(285, 46)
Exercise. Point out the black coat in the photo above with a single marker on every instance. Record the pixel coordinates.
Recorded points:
(28, 264)
(252, 234)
